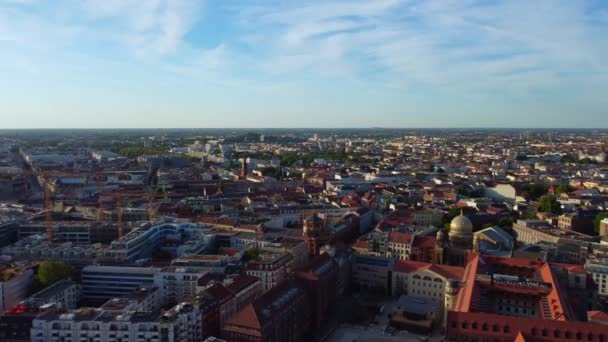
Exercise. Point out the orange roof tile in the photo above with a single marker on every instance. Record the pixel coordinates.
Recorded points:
(398, 237)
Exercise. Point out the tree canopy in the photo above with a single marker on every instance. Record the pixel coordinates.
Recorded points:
(562, 188)
(598, 218)
(51, 271)
(549, 204)
(533, 191)
(271, 171)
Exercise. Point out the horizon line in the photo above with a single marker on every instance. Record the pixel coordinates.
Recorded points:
(298, 128)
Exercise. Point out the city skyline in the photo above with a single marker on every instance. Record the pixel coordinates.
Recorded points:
(265, 64)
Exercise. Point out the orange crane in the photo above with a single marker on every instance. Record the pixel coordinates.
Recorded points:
(120, 196)
(48, 220)
(45, 175)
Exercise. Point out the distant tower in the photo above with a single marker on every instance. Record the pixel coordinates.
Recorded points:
(262, 138)
(439, 247)
(312, 232)
(243, 174)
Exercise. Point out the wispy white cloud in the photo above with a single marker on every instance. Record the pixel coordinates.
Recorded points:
(151, 26)
(458, 44)
(477, 52)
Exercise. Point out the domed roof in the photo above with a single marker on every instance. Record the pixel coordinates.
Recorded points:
(461, 226)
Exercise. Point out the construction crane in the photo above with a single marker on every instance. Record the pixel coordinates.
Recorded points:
(44, 178)
(120, 197)
(48, 220)
(100, 199)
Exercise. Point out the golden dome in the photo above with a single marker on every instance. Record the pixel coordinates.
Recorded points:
(461, 226)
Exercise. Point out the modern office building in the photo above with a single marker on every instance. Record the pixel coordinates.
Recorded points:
(142, 242)
(101, 283)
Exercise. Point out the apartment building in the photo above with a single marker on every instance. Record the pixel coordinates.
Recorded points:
(181, 323)
(271, 268)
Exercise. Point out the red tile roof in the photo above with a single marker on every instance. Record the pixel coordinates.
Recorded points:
(361, 244)
(398, 237)
(425, 242)
(449, 272)
(408, 266)
(519, 337)
(598, 316)
(242, 282)
(220, 292)
(246, 317)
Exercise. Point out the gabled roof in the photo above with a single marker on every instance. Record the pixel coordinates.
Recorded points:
(220, 292)
(600, 316)
(425, 242)
(242, 282)
(247, 317)
(448, 272)
(520, 337)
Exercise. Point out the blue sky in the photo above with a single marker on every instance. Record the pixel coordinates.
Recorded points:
(329, 63)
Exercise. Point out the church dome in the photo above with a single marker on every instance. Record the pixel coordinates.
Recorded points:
(461, 226)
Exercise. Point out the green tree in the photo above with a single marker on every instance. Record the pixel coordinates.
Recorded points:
(562, 188)
(51, 271)
(462, 190)
(534, 190)
(587, 161)
(453, 212)
(567, 159)
(598, 219)
(252, 254)
(270, 171)
(549, 204)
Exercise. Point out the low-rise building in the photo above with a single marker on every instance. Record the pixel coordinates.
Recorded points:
(534, 231)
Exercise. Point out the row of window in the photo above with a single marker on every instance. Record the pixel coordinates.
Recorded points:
(556, 333)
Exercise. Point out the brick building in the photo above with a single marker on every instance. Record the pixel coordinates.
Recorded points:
(320, 279)
(281, 314)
